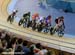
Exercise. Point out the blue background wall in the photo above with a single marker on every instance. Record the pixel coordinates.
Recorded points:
(63, 4)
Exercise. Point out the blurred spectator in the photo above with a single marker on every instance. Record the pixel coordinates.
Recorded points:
(19, 51)
(4, 45)
(26, 50)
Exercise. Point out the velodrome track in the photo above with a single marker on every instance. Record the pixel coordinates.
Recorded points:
(3, 7)
(62, 43)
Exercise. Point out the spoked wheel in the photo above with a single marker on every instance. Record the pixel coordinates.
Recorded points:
(52, 31)
(24, 24)
(11, 20)
(20, 22)
(9, 17)
(61, 33)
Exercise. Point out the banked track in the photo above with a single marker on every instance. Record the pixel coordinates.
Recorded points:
(3, 9)
(65, 44)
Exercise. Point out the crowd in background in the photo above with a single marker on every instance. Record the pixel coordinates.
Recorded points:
(39, 23)
(10, 45)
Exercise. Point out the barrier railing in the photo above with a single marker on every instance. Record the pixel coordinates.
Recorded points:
(48, 43)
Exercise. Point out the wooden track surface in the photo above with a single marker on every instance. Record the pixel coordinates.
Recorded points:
(3, 9)
(34, 36)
